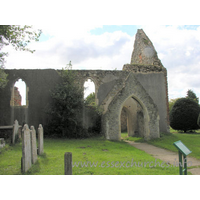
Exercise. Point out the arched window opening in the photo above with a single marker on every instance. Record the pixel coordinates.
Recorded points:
(89, 92)
(18, 97)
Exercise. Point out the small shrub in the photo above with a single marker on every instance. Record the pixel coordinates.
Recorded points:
(184, 115)
(198, 121)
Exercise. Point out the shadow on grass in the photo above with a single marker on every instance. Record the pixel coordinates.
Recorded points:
(35, 168)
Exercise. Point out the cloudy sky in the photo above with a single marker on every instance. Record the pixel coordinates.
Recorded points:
(109, 47)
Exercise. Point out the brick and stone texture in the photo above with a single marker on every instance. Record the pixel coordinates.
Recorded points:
(17, 97)
(144, 52)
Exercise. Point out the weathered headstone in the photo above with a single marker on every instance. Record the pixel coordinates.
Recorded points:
(68, 163)
(40, 140)
(33, 145)
(26, 149)
(2, 143)
(15, 131)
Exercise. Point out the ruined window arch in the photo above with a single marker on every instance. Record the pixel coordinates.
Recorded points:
(90, 90)
(19, 93)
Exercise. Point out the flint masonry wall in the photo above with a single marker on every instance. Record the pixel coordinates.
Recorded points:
(108, 83)
(39, 84)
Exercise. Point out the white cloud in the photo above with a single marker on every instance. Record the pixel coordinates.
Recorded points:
(83, 50)
(178, 49)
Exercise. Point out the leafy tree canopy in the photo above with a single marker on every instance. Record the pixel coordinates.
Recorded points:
(18, 37)
(171, 103)
(192, 95)
(90, 100)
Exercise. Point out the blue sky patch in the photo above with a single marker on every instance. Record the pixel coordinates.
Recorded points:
(129, 29)
(44, 37)
(189, 27)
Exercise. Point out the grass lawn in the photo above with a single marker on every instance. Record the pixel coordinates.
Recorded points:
(110, 158)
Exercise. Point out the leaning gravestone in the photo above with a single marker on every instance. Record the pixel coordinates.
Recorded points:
(26, 149)
(33, 145)
(40, 140)
(15, 131)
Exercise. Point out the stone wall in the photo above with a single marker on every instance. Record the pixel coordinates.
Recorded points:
(107, 84)
(38, 83)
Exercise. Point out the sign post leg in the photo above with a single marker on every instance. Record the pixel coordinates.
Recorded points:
(180, 163)
(185, 165)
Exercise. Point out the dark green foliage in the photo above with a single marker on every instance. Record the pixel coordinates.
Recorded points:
(198, 121)
(90, 99)
(171, 103)
(18, 37)
(184, 115)
(192, 95)
(3, 78)
(66, 108)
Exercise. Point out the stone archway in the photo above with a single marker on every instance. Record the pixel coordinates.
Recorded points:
(111, 119)
(134, 117)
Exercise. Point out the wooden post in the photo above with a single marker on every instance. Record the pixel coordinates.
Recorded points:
(68, 163)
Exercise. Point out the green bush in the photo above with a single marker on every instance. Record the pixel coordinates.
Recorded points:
(184, 115)
(65, 108)
(198, 121)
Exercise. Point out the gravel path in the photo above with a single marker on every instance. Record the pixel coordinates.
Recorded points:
(166, 155)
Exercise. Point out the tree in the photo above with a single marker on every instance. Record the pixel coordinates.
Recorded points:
(171, 103)
(90, 99)
(198, 121)
(192, 95)
(184, 115)
(3, 78)
(66, 106)
(19, 37)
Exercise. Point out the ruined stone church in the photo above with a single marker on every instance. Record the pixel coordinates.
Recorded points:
(140, 88)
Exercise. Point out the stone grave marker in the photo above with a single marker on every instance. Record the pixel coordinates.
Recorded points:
(26, 149)
(33, 145)
(15, 131)
(2, 143)
(40, 140)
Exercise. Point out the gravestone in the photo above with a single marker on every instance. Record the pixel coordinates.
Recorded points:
(15, 131)
(26, 149)
(33, 145)
(2, 143)
(40, 140)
